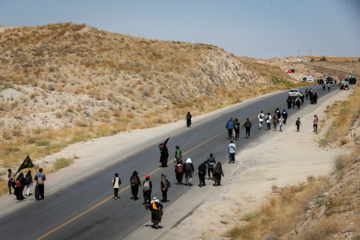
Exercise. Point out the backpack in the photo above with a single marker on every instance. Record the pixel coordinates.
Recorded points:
(18, 183)
(133, 181)
(187, 166)
(146, 186)
(28, 179)
(168, 184)
(40, 180)
(180, 168)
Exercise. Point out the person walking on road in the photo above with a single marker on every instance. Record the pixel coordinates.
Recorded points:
(10, 180)
(247, 126)
(284, 114)
(179, 171)
(210, 165)
(281, 123)
(231, 151)
(261, 118)
(307, 94)
(268, 121)
(217, 174)
(275, 120)
(289, 102)
(19, 187)
(298, 123)
(178, 154)
(164, 186)
(230, 127)
(202, 174)
(237, 129)
(328, 86)
(156, 212)
(278, 113)
(164, 153)
(135, 183)
(189, 171)
(316, 121)
(188, 119)
(40, 187)
(116, 185)
(29, 182)
(147, 188)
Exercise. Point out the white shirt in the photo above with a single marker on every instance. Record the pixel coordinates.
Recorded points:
(231, 148)
(261, 117)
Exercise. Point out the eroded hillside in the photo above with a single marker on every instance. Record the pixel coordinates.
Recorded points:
(67, 75)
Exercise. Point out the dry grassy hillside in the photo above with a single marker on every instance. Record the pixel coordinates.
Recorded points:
(65, 83)
(278, 68)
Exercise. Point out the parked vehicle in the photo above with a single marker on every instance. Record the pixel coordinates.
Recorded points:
(308, 79)
(294, 93)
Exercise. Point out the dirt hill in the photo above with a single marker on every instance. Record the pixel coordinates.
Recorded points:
(67, 75)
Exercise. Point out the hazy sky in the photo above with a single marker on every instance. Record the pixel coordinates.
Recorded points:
(253, 28)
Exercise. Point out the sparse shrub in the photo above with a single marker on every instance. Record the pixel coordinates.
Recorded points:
(322, 229)
(339, 162)
(344, 141)
(251, 215)
(42, 142)
(62, 162)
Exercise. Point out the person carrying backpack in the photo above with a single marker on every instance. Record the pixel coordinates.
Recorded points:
(40, 187)
(19, 187)
(189, 171)
(247, 126)
(179, 171)
(230, 127)
(116, 185)
(134, 184)
(164, 186)
(29, 182)
(147, 188)
(210, 164)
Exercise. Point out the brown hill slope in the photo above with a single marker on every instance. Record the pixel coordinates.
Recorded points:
(72, 75)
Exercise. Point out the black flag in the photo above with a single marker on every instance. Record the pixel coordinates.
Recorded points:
(26, 164)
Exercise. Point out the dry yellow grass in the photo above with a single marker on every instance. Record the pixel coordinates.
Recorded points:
(344, 114)
(282, 211)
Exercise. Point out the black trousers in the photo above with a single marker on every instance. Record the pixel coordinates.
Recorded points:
(39, 192)
(135, 191)
(164, 195)
(147, 197)
(202, 179)
(210, 170)
(179, 177)
(116, 190)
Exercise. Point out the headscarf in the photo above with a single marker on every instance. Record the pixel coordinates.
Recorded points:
(218, 168)
(188, 160)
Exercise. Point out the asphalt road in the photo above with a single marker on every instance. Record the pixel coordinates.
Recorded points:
(86, 210)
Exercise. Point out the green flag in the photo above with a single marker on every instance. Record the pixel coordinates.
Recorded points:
(26, 164)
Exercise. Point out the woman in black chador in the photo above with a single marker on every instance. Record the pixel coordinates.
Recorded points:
(284, 115)
(188, 119)
(164, 153)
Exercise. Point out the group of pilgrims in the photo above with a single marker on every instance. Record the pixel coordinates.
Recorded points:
(209, 167)
(298, 101)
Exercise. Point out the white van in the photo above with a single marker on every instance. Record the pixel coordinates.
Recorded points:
(308, 79)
